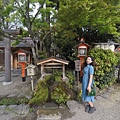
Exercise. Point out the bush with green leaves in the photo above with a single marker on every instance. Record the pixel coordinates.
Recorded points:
(61, 93)
(106, 61)
(79, 96)
(57, 75)
(71, 78)
(42, 54)
(118, 57)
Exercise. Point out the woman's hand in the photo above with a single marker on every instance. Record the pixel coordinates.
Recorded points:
(89, 89)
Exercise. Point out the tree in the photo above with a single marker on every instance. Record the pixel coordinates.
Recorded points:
(100, 16)
(1, 7)
(96, 21)
(33, 16)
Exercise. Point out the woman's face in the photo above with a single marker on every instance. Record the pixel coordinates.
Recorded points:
(89, 60)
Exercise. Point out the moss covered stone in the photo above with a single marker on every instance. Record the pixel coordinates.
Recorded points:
(41, 93)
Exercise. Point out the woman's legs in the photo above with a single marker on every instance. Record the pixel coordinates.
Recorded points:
(91, 104)
(92, 108)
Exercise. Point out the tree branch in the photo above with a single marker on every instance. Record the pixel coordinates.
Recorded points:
(47, 34)
(38, 11)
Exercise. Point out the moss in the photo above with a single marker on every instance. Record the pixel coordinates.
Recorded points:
(41, 93)
(13, 101)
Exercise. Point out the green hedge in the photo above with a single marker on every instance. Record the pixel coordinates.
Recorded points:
(106, 61)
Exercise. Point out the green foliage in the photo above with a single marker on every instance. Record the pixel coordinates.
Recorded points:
(59, 90)
(79, 96)
(41, 93)
(60, 93)
(71, 78)
(117, 54)
(106, 61)
(42, 54)
(49, 77)
(95, 21)
(57, 76)
(15, 43)
(49, 80)
(13, 101)
(101, 15)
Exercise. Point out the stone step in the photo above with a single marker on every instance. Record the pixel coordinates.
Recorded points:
(49, 117)
(21, 109)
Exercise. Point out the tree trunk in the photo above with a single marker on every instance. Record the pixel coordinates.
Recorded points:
(34, 55)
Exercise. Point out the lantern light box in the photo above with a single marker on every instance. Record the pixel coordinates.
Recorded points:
(21, 57)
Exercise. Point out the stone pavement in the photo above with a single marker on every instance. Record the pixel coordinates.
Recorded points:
(16, 88)
(107, 107)
(107, 104)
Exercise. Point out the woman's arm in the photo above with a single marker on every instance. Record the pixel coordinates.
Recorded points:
(90, 83)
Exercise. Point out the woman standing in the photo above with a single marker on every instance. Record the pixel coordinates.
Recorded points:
(87, 82)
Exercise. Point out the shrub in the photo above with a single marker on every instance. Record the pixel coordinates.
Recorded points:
(106, 61)
(71, 78)
(61, 93)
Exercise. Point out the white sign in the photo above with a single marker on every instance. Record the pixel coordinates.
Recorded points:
(77, 65)
(31, 70)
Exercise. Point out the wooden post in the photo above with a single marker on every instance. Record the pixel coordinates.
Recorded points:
(42, 70)
(23, 72)
(7, 60)
(32, 83)
(78, 68)
(9, 32)
(63, 71)
(23, 65)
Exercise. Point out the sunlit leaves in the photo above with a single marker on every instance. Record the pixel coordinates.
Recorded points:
(102, 15)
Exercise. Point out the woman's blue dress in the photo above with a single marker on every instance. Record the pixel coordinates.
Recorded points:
(88, 70)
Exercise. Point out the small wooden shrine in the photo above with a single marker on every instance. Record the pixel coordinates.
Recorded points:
(52, 63)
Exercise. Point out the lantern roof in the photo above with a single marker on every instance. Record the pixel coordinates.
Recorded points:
(83, 44)
(21, 51)
(30, 66)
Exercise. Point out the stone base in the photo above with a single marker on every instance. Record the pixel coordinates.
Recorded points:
(7, 83)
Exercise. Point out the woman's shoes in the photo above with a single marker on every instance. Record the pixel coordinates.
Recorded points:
(87, 108)
(90, 109)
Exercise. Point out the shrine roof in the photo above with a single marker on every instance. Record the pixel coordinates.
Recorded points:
(53, 59)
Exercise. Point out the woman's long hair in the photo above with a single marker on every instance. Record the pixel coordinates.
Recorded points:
(92, 63)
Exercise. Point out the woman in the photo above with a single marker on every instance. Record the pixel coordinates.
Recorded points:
(87, 82)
